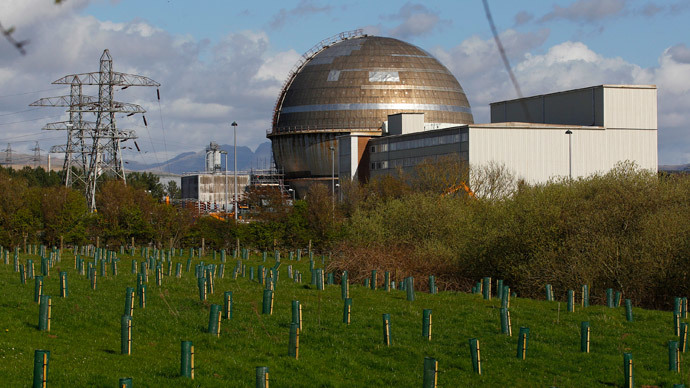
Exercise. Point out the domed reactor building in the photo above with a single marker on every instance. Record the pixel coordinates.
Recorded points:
(349, 85)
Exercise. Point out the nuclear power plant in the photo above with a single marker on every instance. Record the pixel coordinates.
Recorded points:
(356, 106)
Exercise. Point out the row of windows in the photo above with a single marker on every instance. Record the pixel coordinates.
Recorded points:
(409, 162)
(419, 143)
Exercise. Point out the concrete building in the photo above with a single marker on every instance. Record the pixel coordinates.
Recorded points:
(210, 189)
(571, 133)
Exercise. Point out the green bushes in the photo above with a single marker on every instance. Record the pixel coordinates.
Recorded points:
(627, 230)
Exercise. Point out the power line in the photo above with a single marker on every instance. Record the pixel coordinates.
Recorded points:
(26, 121)
(31, 92)
(18, 112)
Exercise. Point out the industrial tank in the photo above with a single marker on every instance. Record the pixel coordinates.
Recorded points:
(349, 84)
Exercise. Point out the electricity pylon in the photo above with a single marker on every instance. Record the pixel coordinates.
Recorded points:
(95, 147)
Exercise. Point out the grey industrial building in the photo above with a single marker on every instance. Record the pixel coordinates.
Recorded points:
(573, 133)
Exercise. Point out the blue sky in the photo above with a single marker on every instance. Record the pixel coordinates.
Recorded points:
(223, 61)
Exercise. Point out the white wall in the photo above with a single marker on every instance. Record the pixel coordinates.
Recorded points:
(538, 154)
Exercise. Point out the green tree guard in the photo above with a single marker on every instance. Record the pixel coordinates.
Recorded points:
(628, 310)
(227, 305)
(38, 288)
(506, 327)
(319, 279)
(387, 329)
(617, 299)
(221, 271)
(262, 376)
(178, 270)
(134, 267)
(125, 382)
(187, 359)
(293, 346)
(676, 323)
(41, 363)
(299, 254)
(683, 337)
(628, 371)
(260, 273)
(129, 301)
(142, 295)
(409, 287)
(297, 313)
(609, 297)
(214, 320)
(475, 355)
(373, 279)
(44, 313)
(330, 278)
(94, 281)
(432, 285)
(571, 301)
(430, 373)
(102, 269)
(673, 356)
(63, 285)
(22, 274)
(251, 273)
(344, 286)
(584, 337)
(426, 324)
(189, 265)
(347, 310)
(676, 304)
(267, 305)
(366, 282)
(201, 284)
(486, 288)
(499, 288)
(126, 335)
(113, 267)
(264, 255)
(585, 295)
(387, 280)
(549, 293)
(523, 342)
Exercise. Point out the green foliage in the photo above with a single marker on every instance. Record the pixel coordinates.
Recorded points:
(625, 230)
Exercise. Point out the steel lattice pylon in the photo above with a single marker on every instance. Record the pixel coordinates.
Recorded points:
(93, 148)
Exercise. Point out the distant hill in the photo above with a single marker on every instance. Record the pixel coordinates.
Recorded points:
(194, 161)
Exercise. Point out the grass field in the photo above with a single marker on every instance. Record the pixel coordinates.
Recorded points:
(84, 339)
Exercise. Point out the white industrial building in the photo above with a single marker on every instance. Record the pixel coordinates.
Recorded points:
(571, 133)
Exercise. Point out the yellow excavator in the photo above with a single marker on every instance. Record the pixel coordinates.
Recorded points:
(455, 188)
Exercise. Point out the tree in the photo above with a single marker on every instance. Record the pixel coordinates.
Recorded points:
(172, 190)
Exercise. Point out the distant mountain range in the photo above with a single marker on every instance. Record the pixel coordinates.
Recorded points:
(187, 162)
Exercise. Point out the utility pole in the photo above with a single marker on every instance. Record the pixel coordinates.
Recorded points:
(37, 155)
(8, 155)
(234, 130)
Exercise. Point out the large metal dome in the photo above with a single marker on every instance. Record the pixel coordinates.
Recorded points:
(351, 84)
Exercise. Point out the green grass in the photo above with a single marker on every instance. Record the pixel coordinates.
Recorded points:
(85, 336)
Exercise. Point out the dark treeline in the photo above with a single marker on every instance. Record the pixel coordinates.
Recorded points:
(627, 229)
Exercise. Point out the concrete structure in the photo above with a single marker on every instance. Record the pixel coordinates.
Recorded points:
(210, 189)
(572, 133)
(349, 85)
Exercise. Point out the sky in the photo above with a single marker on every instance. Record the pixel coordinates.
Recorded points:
(221, 61)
